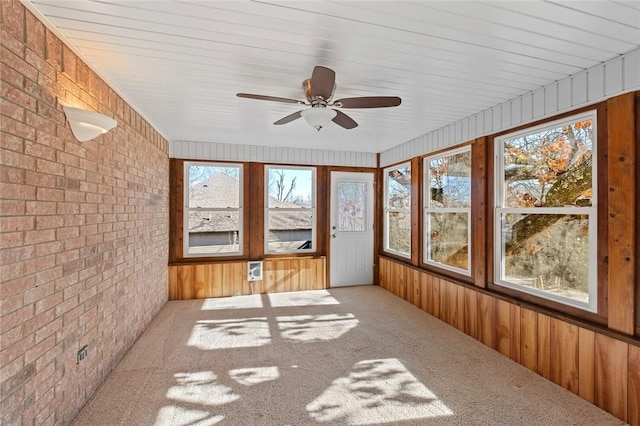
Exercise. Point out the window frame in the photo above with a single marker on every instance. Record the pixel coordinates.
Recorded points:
(426, 209)
(591, 211)
(313, 209)
(187, 209)
(386, 210)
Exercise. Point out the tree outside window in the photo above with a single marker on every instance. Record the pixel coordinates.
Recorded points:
(397, 210)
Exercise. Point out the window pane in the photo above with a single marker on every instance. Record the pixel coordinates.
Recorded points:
(399, 232)
(290, 187)
(549, 252)
(214, 186)
(213, 232)
(290, 230)
(450, 180)
(550, 168)
(351, 206)
(399, 187)
(448, 235)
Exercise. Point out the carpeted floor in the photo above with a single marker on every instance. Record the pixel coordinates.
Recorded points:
(348, 356)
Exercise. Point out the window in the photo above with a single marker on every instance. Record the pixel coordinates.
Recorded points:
(545, 216)
(290, 224)
(397, 210)
(213, 210)
(447, 210)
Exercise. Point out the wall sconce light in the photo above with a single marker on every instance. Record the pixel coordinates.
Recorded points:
(318, 117)
(86, 125)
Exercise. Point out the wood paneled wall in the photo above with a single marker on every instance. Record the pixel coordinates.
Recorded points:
(199, 281)
(598, 367)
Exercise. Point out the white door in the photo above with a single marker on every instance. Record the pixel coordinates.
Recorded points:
(351, 229)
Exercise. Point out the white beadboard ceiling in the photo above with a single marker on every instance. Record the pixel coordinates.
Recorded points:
(180, 63)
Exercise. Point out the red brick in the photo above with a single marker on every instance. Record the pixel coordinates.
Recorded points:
(69, 63)
(52, 247)
(11, 304)
(18, 223)
(13, 18)
(18, 160)
(41, 207)
(15, 59)
(50, 167)
(11, 239)
(16, 98)
(35, 37)
(39, 236)
(12, 207)
(16, 191)
(16, 254)
(11, 175)
(50, 194)
(12, 77)
(11, 143)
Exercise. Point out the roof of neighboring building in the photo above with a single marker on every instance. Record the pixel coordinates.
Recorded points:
(221, 191)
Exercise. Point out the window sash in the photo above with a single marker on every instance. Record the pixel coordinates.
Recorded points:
(388, 210)
(191, 252)
(590, 211)
(430, 208)
(268, 210)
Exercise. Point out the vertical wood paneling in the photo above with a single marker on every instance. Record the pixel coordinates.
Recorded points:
(633, 397)
(600, 369)
(611, 364)
(424, 291)
(595, 84)
(514, 337)
(503, 327)
(544, 346)
(460, 317)
(434, 305)
(622, 204)
(471, 312)
(416, 288)
(486, 320)
(564, 354)
(586, 364)
(529, 339)
(230, 279)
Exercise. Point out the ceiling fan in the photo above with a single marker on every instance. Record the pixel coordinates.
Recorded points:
(319, 93)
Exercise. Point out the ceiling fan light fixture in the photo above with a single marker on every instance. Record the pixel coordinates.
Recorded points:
(318, 117)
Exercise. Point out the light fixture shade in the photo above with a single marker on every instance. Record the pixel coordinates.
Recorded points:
(318, 117)
(86, 125)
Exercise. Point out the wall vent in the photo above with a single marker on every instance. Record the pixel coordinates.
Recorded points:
(254, 270)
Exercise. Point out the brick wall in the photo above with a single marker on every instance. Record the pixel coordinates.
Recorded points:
(83, 227)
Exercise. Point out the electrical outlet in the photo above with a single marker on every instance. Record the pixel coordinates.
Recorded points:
(83, 353)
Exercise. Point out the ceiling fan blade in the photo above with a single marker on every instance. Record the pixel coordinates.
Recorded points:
(289, 118)
(368, 102)
(322, 81)
(343, 120)
(269, 98)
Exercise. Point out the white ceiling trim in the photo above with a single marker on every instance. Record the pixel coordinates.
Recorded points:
(614, 77)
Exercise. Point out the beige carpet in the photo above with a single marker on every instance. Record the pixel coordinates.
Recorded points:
(349, 356)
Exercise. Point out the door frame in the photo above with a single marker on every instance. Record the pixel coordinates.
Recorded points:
(376, 217)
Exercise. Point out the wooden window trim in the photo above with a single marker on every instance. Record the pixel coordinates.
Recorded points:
(253, 223)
